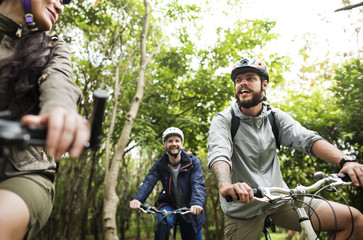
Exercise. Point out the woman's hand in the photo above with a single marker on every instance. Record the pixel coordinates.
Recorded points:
(67, 131)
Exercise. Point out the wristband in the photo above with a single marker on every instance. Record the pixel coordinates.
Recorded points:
(346, 159)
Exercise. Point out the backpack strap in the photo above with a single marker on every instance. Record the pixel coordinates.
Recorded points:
(275, 130)
(271, 118)
(235, 124)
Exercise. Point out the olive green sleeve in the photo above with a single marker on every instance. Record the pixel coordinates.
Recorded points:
(56, 85)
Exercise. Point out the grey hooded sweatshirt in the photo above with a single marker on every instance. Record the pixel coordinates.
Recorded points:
(252, 154)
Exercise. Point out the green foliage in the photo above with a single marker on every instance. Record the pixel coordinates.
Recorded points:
(348, 90)
(335, 115)
(186, 12)
(239, 42)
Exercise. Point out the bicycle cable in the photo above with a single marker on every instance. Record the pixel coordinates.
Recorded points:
(315, 195)
(318, 232)
(288, 198)
(350, 211)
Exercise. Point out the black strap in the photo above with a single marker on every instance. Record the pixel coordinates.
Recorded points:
(175, 229)
(268, 224)
(235, 124)
(275, 130)
(271, 118)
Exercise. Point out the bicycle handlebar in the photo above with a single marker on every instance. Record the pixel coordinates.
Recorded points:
(17, 134)
(270, 194)
(146, 208)
(99, 105)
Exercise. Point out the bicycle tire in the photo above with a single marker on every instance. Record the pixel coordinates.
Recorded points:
(163, 229)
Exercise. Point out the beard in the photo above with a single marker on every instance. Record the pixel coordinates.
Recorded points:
(169, 151)
(257, 97)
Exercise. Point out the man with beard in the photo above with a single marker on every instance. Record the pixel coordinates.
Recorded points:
(181, 175)
(249, 160)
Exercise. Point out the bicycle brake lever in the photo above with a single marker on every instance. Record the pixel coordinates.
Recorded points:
(145, 206)
(184, 211)
(5, 114)
(13, 133)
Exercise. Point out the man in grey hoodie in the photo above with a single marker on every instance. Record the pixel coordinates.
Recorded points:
(249, 159)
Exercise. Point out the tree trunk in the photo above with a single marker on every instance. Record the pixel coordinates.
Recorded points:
(112, 169)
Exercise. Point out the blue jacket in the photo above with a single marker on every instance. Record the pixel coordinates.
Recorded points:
(190, 180)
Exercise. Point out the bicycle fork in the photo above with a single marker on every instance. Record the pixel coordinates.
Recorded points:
(307, 230)
(268, 224)
(163, 229)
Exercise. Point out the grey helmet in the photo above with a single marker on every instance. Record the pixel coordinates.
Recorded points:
(248, 65)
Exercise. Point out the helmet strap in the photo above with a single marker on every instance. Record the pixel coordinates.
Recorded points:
(262, 99)
(29, 19)
(264, 92)
(174, 155)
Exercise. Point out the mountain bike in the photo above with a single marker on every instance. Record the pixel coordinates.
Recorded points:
(274, 194)
(163, 223)
(14, 133)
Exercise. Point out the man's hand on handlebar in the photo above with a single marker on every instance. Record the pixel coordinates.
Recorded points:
(135, 204)
(237, 190)
(355, 172)
(67, 131)
(196, 210)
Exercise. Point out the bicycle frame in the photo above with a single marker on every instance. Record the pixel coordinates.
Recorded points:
(307, 230)
(297, 195)
(275, 194)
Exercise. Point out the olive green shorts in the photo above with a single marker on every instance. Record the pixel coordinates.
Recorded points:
(250, 229)
(37, 192)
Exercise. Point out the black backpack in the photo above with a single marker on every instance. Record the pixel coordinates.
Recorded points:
(271, 118)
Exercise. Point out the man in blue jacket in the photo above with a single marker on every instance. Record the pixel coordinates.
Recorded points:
(183, 186)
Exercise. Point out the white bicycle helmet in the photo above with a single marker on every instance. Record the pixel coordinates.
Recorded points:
(172, 131)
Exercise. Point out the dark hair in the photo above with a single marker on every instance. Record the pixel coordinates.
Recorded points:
(22, 69)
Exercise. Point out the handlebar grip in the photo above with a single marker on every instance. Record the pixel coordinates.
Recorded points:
(144, 206)
(257, 192)
(345, 177)
(38, 135)
(230, 199)
(99, 105)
